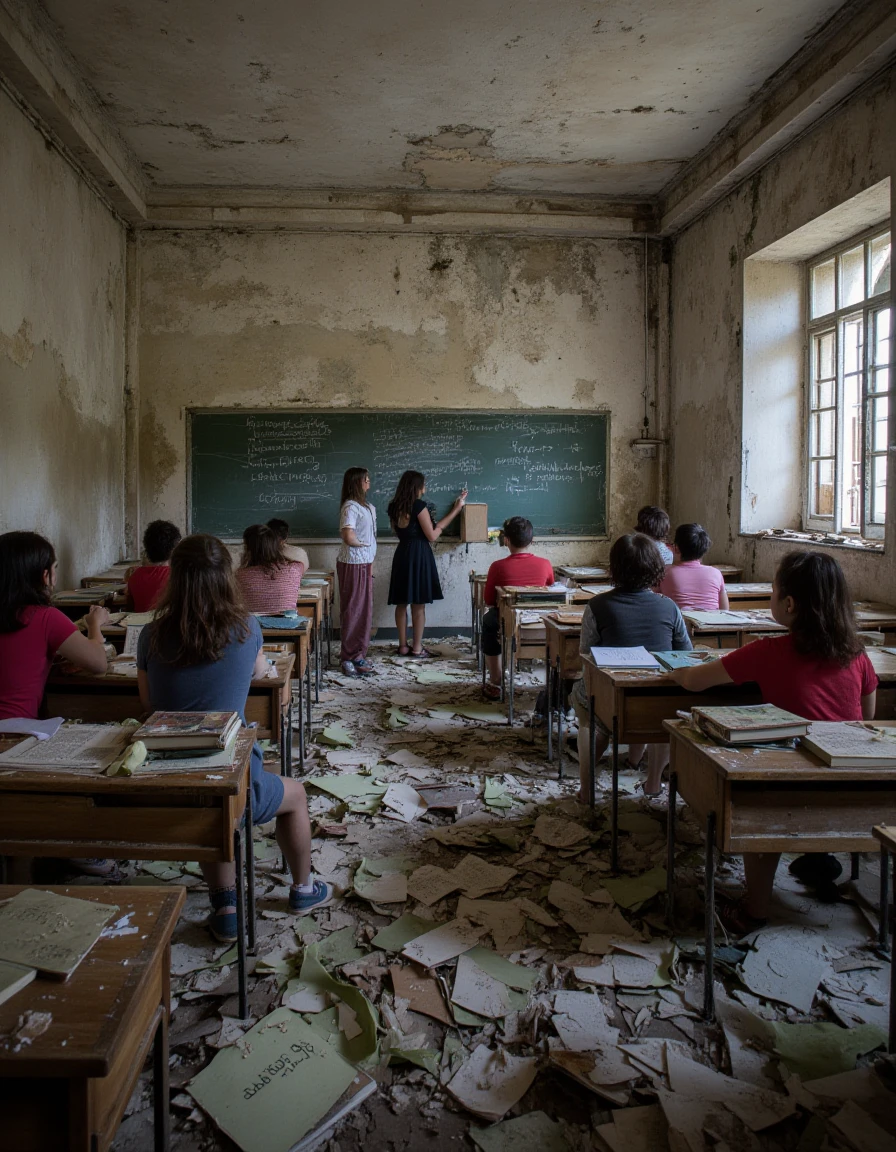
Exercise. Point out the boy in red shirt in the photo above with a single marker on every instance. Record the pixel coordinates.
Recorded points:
(147, 582)
(519, 569)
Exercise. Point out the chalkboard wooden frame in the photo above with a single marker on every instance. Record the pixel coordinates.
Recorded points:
(387, 537)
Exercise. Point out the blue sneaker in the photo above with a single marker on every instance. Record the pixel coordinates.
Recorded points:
(305, 901)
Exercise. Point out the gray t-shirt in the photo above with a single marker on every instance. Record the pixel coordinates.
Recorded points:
(619, 619)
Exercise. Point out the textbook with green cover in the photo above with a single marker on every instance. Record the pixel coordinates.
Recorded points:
(685, 659)
(749, 723)
(49, 932)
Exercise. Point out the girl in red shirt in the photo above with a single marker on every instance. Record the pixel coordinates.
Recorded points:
(819, 670)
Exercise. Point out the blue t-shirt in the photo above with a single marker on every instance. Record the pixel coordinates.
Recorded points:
(217, 686)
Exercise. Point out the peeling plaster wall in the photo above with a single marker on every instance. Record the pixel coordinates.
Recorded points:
(848, 152)
(61, 354)
(287, 320)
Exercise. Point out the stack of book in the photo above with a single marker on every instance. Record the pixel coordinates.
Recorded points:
(177, 736)
(749, 724)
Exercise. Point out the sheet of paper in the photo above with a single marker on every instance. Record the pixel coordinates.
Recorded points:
(343, 787)
(487, 713)
(582, 915)
(87, 746)
(363, 1045)
(531, 1132)
(389, 889)
(488, 1084)
(581, 1021)
(137, 619)
(405, 801)
(633, 891)
(131, 637)
(861, 1132)
(478, 992)
(407, 759)
(757, 1107)
(559, 832)
(430, 884)
(504, 919)
(39, 729)
(49, 932)
(814, 1051)
(402, 931)
(785, 964)
(443, 943)
(271, 1089)
(635, 657)
(422, 992)
(477, 877)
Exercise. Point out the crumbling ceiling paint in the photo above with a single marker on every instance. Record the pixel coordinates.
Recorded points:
(543, 97)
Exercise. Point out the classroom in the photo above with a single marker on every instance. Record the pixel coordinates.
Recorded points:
(437, 286)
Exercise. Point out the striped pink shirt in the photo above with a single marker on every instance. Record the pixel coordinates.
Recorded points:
(274, 592)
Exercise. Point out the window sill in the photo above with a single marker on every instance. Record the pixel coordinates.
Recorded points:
(827, 540)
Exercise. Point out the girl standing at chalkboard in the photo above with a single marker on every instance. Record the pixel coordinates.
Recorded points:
(415, 580)
(354, 569)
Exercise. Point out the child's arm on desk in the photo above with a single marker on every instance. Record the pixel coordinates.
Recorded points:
(88, 652)
(702, 676)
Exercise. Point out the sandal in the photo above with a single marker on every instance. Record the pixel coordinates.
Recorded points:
(491, 691)
(639, 786)
(222, 925)
(97, 866)
(732, 914)
(405, 651)
(423, 654)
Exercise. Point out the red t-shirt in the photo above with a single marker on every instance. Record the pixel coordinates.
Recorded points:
(146, 584)
(813, 689)
(520, 569)
(25, 659)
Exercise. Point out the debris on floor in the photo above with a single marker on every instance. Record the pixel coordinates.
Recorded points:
(483, 980)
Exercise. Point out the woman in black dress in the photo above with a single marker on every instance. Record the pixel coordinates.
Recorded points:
(415, 580)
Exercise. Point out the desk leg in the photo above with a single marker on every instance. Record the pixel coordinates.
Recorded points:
(242, 982)
(475, 639)
(558, 685)
(160, 1107)
(883, 926)
(328, 625)
(670, 848)
(592, 754)
(614, 801)
(317, 647)
(549, 711)
(250, 870)
(301, 728)
(855, 861)
(512, 677)
(709, 1007)
(308, 693)
(503, 661)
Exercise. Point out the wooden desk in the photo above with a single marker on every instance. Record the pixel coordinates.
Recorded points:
(518, 640)
(477, 608)
(742, 596)
(329, 594)
(112, 697)
(729, 571)
(734, 633)
(166, 816)
(114, 574)
(68, 1088)
(562, 662)
(884, 664)
(583, 574)
(874, 616)
(310, 604)
(886, 836)
(769, 800)
(633, 705)
(77, 602)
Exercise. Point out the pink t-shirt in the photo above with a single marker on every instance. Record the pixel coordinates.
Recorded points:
(25, 659)
(692, 585)
(276, 591)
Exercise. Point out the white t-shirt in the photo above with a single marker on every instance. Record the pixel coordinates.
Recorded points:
(361, 518)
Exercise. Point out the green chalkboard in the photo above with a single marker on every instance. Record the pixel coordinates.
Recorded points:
(249, 466)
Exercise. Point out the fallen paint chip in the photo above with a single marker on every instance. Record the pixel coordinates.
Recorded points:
(443, 943)
(488, 1084)
(532, 1132)
(558, 832)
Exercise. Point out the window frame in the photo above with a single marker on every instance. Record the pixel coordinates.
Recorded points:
(834, 323)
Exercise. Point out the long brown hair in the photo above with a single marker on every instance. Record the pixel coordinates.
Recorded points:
(200, 611)
(24, 557)
(410, 488)
(262, 548)
(825, 623)
(351, 486)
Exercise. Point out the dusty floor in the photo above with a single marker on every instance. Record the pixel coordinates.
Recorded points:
(557, 912)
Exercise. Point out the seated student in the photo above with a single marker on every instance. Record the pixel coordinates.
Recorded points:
(147, 581)
(518, 569)
(819, 670)
(631, 614)
(200, 654)
(688, 582)
(654, 522)
(280, 528)
(268, 581)
(33, 632)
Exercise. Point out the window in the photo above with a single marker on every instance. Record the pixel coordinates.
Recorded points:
(849, 383)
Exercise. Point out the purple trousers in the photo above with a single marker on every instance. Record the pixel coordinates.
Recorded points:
(355, 608)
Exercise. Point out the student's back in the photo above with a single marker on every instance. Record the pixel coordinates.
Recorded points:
(147, 582)
(689, 582)
(268, 582)
(626, 619)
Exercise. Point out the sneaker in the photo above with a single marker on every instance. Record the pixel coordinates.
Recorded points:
(816, 869)
(363, 667)
(305, 901)
(348, 668)
(222, 925)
